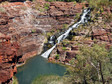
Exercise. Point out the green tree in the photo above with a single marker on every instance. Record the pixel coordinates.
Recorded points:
(92, 66)
(57, 56)
(110, 54)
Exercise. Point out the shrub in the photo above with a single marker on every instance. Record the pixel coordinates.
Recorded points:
(15, 81)
(49, 34)
(33, 31)
(110, 54)
(65, 26)
(65, 43)
(99, 3)
(2, 9)
(46, 6)
(51, 79)
(72, 61)
(57, 56)
(64, 48)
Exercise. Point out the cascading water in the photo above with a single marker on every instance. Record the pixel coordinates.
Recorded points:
(46, 54)
(83, 19)
(52, 40)
(63, 36)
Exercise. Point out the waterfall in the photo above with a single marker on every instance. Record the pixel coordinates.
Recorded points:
(63, 36)
(52, 39)
(83, 19)
(46, 54)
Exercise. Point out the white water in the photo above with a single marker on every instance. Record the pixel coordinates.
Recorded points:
(51, 39)
(63, 36)
(46, 54)
(83, 20)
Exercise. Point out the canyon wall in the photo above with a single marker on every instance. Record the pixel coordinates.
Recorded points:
(8, 58)
(24, 27)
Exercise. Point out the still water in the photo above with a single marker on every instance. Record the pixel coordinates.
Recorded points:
(35, 67)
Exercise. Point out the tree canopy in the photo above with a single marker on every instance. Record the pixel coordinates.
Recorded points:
(92, 65)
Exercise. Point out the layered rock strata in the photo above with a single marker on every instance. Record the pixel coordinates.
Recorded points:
(26, 24)
(8, 58)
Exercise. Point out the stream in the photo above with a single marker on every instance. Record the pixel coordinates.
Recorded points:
(38, 65)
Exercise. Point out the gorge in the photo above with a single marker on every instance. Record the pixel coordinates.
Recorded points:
(38, 66)
(40, 35)
(27, 26)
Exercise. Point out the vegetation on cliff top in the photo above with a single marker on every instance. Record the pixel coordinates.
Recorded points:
(99, 6)
(92, 66)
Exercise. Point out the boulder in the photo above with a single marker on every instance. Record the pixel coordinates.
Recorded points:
(2, 35)
(111, 9)
(79, 6)
(89, 42)
(28, 55)
(4, 76)
(102, 34)
(7, 60)
(104, 38)
(71, 54)
(111, 24)
(60, 51)
(98, 32)
(108, 46)
(74, 48)
(3, 21)
(9, 52)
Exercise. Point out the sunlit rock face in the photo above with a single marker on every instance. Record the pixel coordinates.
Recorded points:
(27, 26)
(102, 34)
(8, 58)
(63, 8)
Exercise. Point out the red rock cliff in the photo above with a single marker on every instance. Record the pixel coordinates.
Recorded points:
(8, 58)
